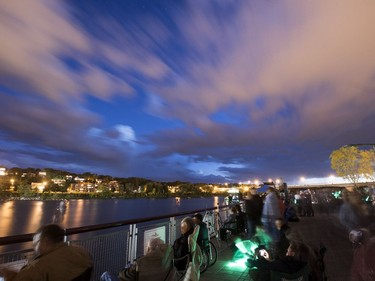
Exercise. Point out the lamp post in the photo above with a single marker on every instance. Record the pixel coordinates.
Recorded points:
(302, 180)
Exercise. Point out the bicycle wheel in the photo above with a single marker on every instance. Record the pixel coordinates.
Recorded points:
(212, 254)
(205, 261)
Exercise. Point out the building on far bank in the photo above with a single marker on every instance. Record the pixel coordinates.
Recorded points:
(3, 171)
(39, 186)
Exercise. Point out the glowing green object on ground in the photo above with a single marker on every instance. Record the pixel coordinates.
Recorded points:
(336, 194)
(247, 247)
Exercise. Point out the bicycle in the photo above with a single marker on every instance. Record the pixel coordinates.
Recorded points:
(209, 254)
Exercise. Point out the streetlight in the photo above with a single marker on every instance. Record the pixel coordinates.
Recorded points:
(332, 178)
(302, 179)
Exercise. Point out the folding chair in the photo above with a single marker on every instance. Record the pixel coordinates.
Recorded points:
(194, 259)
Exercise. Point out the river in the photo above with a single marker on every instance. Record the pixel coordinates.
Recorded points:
(26, 216)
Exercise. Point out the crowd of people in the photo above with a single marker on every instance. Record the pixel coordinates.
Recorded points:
(282, 249)
(264, 221)
(58, 261)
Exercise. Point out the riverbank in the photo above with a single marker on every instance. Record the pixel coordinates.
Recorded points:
(8, 195)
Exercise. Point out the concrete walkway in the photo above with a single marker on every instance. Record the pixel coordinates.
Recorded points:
(321, 228)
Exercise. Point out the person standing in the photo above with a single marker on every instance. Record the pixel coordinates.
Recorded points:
(253, 210)
(270, 212)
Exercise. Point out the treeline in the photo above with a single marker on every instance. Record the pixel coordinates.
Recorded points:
(58, 184)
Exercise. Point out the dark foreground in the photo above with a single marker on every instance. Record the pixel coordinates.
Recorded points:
(321, 228)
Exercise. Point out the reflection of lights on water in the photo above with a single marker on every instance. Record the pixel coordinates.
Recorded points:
(35, 216)
(216, 200)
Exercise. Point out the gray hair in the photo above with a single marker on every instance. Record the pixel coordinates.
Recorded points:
(153, 243)
(189, 221)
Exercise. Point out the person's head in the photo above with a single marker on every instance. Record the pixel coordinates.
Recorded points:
(233, 210)
(187, 225)
(299, 251)
(251, 193)
(259, 228)
(197, 218)
(292, 249)
(359, 236)
(279, 222)
(46, 237)
(153, 244)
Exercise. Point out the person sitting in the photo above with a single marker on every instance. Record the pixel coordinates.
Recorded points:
(203, 238)
(281, 242)
(363, 265)
(181, 246)
(54, 259)
(296, 258)
(156, 264)
(230, 224)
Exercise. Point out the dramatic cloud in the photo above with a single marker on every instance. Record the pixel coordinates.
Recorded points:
(195, 90)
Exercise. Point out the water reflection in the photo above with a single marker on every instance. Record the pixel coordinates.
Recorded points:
(216, 201)
(7, 212)
(20, 217)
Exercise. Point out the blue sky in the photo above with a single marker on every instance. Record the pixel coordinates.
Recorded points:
(199, 91)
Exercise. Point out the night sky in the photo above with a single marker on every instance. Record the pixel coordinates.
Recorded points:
(201, 91)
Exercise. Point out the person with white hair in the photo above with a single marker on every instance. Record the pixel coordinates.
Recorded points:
(155, 265)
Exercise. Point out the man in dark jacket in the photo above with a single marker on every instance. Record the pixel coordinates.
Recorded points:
(296, 258)
(253, 210)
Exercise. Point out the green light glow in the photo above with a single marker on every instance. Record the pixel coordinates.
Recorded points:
(247, 247)
(239, 263)
(336, 194)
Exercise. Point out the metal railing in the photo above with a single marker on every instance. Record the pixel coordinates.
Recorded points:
(113, 245)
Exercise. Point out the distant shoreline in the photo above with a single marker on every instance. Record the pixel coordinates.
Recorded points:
(69, 196)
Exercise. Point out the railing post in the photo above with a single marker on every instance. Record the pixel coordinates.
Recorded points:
(66, 237)
(217, 225)
(132, 242)
(172, 230)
